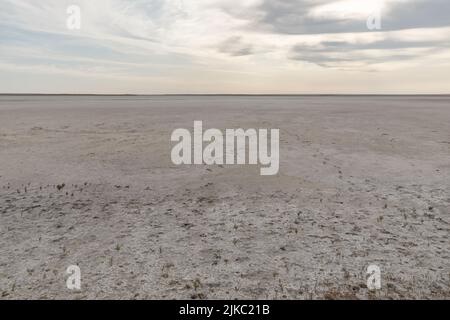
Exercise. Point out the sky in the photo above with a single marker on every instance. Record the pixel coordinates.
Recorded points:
(226, 46)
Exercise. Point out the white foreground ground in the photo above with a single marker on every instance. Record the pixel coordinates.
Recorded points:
(363, 180)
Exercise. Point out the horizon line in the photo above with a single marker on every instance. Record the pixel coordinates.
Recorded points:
(224, 94)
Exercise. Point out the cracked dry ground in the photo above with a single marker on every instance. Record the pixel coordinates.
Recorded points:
(136, 243)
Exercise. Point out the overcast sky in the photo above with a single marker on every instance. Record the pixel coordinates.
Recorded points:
(225, 46)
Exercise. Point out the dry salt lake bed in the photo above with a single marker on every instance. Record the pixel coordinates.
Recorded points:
(88, 181)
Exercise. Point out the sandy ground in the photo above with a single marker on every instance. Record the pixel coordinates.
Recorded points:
(363, 180)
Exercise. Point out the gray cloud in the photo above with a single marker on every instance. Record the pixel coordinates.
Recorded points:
(292, 17)
(386, 44)
(235, 46)
(337, 54)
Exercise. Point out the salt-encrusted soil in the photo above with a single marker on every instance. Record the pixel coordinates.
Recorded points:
(89, 181)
